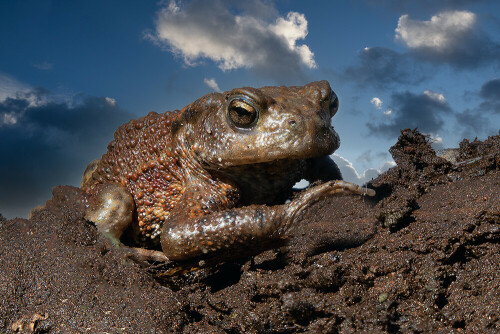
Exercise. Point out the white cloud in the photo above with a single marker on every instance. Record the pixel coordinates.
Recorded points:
(349, 173)
(435, 96)
(9, 119)
(451, 37)
(212, 84)
(294, 28)
(443, 32)
(377, 103)
(110, 101)
(198, 30)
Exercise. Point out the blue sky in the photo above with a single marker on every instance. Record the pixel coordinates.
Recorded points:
(72, 71)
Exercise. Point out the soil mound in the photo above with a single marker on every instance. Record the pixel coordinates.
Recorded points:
(421, 257)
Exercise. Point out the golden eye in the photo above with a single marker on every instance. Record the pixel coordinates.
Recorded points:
(242, 113)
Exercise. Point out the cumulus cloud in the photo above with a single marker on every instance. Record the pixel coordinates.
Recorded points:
(349, 173)
(377, 103)
(423, 111)
(211, 83)
(442, 32)
(382, 67)
(111, 101)
(46, 142)
(450, 37)
(435, 96)
(235, 37)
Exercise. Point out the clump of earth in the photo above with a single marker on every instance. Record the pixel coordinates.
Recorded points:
(420, 257)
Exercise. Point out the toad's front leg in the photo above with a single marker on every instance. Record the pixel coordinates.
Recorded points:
(111, 207)
(243, 231)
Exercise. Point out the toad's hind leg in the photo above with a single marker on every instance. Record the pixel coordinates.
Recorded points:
(110, 207)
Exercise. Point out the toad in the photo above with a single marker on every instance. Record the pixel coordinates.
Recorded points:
(212, 180)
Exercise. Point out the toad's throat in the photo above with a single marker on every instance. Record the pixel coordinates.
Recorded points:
(264, 183)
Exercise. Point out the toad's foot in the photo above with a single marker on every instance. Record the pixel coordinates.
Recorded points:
(242, 231)
(142, 255)
(311, 195)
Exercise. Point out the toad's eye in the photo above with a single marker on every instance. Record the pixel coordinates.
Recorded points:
(242, 113)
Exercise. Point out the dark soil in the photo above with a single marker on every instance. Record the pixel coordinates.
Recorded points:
(423, 256)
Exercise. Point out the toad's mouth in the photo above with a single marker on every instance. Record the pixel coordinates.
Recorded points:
(272, 151)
